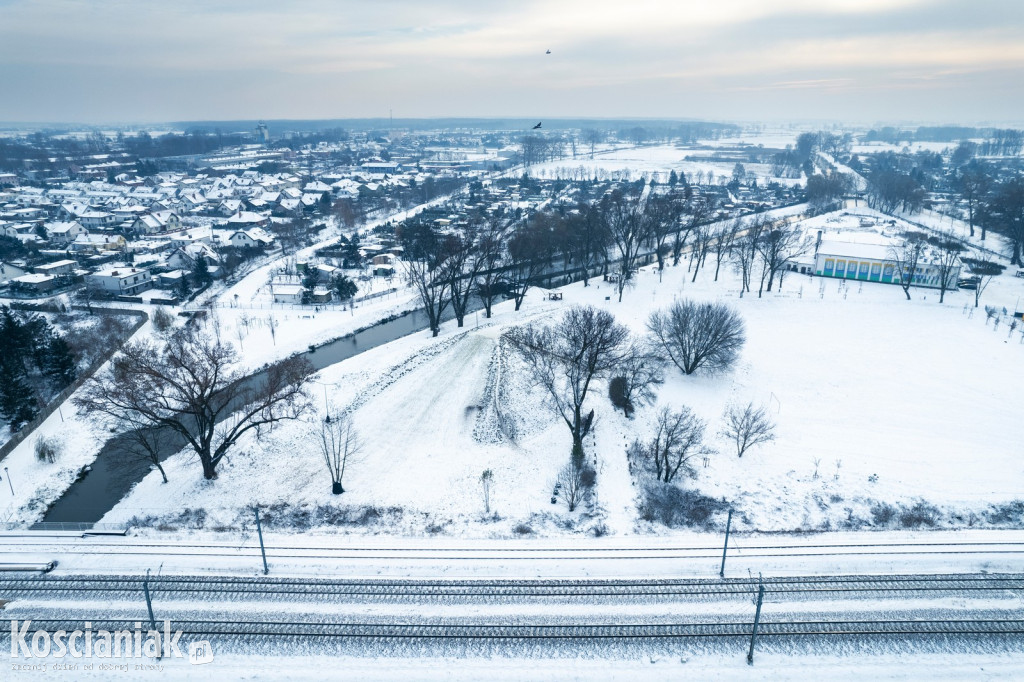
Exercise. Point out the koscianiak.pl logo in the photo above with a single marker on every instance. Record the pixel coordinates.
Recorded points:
(138, 642)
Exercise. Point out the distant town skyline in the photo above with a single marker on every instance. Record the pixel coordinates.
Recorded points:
(739, 60)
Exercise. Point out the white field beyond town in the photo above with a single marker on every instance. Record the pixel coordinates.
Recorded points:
(898, 401)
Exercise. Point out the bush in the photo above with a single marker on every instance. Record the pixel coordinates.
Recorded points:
(674, 507)
(523, 529)
(48, 449)
(588, 478)
(162, 320)
(618, 395)
(921, 514)
(1011, 513)
(882, 513)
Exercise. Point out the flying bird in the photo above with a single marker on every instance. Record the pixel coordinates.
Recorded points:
(548, 52)
(536, 126)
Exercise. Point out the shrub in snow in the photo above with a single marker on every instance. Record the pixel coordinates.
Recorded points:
(48, 449)
(571, 487)
(674, 507)
(921, 514)
(617, 394)
(162, 320)
(588, 478)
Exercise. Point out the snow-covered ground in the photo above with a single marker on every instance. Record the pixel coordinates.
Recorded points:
(653, 162)
(891, 401)
(29, 486)
(769, 666)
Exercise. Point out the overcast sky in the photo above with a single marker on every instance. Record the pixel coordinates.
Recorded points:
(846, 60)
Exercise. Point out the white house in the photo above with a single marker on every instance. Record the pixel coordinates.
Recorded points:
(9, 272)
(121, 279)
(253, 238)
(60, 267)
(95, 220)
(246, 219)
(157, 221)
(287, 293)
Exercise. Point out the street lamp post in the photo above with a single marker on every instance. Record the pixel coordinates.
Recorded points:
(11, 485)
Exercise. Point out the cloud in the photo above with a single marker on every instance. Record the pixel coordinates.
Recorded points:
(451, 57)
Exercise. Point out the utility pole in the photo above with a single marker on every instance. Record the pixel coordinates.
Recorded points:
(259, 531)
(728, 525)
(757, 619)
(149, 607)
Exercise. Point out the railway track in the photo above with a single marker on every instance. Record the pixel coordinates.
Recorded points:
(267, 589)
(310, 632)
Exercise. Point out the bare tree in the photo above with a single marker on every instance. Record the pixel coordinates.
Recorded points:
(696, 335)
(777, 247)
(973, 183)
(906, 257)
(663, 214)
(339, 444)
(703, 234)
(525, 260)
(627, 227)
(723, 239)
(570, 486)
(744, 250)
(636, 376)
(193, 386)
(948, 249)
(461, 268)
(431, 282)
(747, 426)
(678, 438)
(566, 358)
(490, 247)
(146, 443)
(983, 270)
(699, 210)
(593, 137)
(588, 239)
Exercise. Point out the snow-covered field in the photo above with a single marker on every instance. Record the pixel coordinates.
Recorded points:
(897, 402)
(653, 162)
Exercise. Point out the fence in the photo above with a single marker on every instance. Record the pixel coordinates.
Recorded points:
(58, 400)
(73, 527)
(310, 307)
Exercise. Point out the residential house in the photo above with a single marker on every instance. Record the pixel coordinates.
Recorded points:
(157, 222)
(63, 233)
(121, 279)
(253, 238)
(60, 267)
(9, 271)
(287, 293)
(96, 243)
(35, 283)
